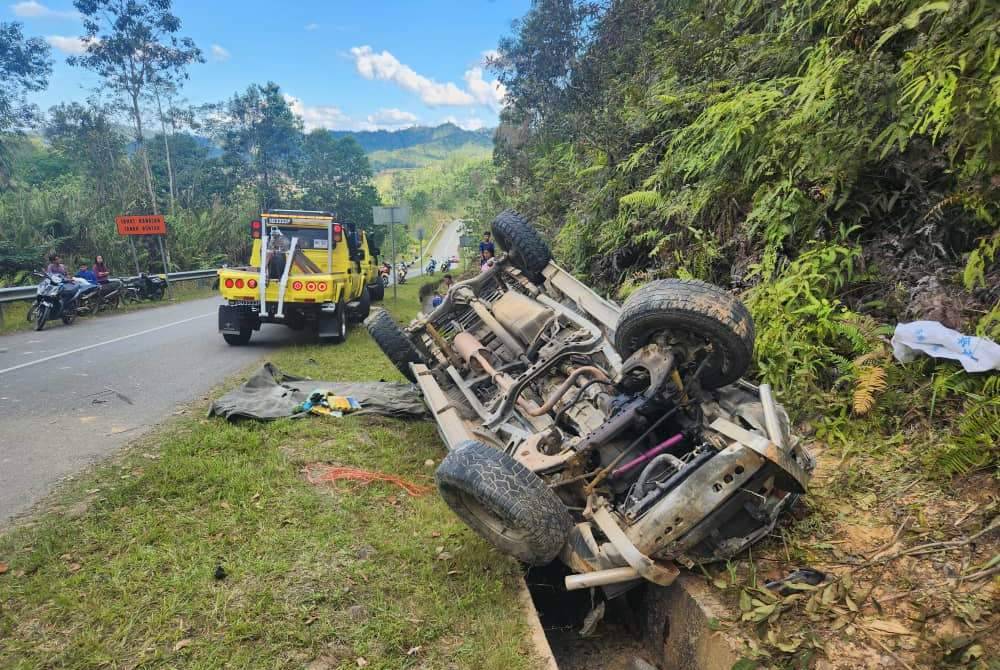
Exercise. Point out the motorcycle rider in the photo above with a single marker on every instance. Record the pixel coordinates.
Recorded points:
(55, 266)
(86, 273)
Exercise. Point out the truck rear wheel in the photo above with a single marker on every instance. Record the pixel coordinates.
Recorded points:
(239, 340)
(360, 313)
(335, 330)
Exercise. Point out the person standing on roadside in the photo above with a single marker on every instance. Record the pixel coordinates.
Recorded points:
(486, 245)
(101, 270)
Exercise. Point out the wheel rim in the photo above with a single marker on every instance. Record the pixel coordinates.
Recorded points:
(490, 520)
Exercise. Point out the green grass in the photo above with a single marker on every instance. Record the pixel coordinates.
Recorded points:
(119, 571)
(14, 314)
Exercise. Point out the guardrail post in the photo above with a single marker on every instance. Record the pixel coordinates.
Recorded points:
(1, 315)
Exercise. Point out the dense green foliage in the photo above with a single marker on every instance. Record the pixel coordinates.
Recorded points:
(834, 160)
(418, 146)
(438, 193)
(24, 66)
(68, 185)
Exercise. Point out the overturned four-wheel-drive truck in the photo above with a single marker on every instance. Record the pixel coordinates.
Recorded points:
(621, 440)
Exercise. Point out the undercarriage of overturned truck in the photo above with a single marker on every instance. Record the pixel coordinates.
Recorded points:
(621, 440)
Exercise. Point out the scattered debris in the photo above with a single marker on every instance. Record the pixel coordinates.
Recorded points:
(592, 621)
(220, 573)
(785, 586)
(976, 354)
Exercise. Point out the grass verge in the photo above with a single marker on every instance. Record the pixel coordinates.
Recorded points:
(121, 570)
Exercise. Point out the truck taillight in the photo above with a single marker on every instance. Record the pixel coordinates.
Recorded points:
(229, 283)
(251, 283)
(311, 286)
(239, 283)
(255, 230)
(321, 286)
(297, 285)
(338, 232)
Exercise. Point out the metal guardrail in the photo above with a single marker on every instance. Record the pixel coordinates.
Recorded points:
(18, 293)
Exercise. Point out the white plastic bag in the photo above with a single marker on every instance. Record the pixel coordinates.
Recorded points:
(976, 354)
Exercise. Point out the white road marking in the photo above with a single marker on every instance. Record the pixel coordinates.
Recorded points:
(101, 344)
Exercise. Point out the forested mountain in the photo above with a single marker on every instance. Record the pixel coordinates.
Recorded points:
(834, 161)
(446, 135)
(421, 146)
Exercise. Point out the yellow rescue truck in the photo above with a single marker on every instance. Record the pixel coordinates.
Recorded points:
(306, 270)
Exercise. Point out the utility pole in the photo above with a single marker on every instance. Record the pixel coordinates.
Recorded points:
(389, 216)
(392, 235)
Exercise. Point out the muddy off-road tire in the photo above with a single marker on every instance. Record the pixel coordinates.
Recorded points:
(504, 502)
(690, 310)
(528, 251)
(393, 342)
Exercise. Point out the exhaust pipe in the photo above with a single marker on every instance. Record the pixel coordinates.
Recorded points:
(601, 578)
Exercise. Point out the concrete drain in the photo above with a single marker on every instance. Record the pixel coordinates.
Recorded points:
(648, 627)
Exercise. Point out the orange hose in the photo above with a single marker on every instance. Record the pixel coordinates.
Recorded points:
(331, 473)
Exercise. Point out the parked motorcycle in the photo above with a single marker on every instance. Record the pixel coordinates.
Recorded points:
(431, 266)
(384, 272)
(445, 265)
(401, 274)
(144, 287)
(57, 298)
(107, 296)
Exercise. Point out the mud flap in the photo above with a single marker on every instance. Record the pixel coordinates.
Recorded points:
(328, 324)
(233, 318)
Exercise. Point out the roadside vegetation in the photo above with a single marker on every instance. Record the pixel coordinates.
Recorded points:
(835, 164)
(438, 192)
(122, 566)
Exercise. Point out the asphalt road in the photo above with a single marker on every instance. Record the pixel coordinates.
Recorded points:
(71, 394)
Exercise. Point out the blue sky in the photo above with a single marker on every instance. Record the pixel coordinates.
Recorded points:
(346, 65)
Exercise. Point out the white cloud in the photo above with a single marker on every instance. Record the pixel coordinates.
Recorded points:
(469, 123)
(387, 67)
(312, 26)
(392, 118)
(320, 116)
(74, 46)
(219, 53)
(35, 10)
(489, 93)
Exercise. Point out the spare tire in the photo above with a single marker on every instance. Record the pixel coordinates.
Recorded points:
(393, 342)
(526, 248)
(684, 315)
(507, 504)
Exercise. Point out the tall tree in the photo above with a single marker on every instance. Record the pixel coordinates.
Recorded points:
(335, 174)
(86, 136)
(261, 134)
(24, 66)
(133, 46)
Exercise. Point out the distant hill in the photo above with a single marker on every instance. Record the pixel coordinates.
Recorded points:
(420, 145)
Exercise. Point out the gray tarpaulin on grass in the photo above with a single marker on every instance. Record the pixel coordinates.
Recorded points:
(271, 394)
